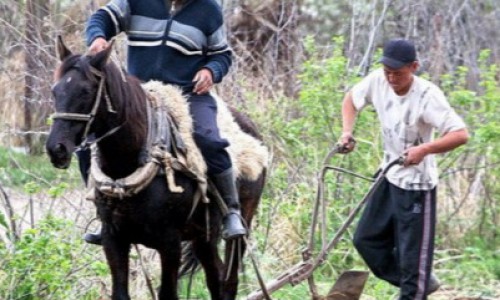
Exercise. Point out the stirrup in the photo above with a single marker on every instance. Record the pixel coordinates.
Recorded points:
(233, 226)
(93, 238)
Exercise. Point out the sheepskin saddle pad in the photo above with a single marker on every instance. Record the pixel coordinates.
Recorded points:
(248, 154)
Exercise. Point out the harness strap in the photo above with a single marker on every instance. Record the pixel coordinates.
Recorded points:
(225, 210)
(202, 187)
(71, 117)
(178, 163)
(159, 155)
(94, 108)
(88, 143)
(89, 118)
(123, 187)
(151, 127)
(168, 161)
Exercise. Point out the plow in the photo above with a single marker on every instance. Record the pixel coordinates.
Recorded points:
(350, 284)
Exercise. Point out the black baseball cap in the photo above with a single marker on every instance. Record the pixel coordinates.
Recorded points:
(398, 53)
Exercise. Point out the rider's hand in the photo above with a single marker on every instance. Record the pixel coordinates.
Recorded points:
(204, 81)
(97, 46)
(415, 155)
(347, 142)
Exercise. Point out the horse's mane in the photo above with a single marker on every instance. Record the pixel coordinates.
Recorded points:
(125, 91)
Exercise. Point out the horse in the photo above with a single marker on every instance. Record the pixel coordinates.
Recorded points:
(93, 97)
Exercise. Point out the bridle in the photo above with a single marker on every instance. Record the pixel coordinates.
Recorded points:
(90, 117)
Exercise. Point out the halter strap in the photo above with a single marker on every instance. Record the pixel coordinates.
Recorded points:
(90, 117)
(71, 117)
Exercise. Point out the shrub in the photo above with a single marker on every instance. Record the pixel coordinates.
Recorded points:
(43, 264)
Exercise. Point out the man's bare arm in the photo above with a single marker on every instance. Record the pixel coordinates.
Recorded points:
(445, 143)
(349, 114)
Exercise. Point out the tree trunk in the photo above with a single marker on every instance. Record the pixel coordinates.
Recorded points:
(37, 59)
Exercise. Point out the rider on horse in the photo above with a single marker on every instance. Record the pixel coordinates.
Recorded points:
(179, 42)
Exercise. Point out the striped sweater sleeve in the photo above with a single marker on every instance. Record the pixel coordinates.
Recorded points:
(108, 21)
(219, 54)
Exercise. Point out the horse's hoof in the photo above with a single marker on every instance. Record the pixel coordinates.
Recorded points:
(93, 238)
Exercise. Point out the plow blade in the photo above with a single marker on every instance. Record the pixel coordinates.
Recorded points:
(295, 275)
(349, 286)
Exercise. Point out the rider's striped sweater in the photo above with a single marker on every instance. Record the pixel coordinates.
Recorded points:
(166, 43)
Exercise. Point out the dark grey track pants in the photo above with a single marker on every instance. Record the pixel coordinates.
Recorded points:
(395, 237)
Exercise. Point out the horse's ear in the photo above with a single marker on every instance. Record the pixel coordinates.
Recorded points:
(61, 49)
(99, 60)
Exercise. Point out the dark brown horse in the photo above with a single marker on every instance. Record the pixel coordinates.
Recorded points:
(155, 217)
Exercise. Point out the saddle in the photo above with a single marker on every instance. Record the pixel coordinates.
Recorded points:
(248, 154)
(170, 147)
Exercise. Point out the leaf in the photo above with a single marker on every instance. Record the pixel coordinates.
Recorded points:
(3, 221)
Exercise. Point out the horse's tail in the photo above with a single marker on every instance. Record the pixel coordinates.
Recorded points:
(189, 263)
(246, 124)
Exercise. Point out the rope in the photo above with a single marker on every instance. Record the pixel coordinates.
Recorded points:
(158, 156)
(225, 210)
(149, 282)
(257, 272)
(167, 159)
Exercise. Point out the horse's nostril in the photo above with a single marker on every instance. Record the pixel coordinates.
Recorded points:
(60, 149)
(59, 155)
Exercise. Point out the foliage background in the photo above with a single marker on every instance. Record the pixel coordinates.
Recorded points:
(294, 60)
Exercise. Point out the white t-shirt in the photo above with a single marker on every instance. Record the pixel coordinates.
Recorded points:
(407, 121)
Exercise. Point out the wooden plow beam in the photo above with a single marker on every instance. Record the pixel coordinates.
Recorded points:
(350, 284)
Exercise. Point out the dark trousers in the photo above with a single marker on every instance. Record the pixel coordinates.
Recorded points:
(203, 109)
(395, 237)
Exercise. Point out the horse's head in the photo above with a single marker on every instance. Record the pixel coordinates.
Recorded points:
(77, 92)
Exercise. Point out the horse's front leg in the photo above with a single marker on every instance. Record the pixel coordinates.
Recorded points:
(170, 257)
(117, 254)
(208, 255)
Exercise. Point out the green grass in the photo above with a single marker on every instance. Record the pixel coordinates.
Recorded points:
(18, 170)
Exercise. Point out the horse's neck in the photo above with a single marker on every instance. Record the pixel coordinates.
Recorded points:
(120, 152)
(118, 158)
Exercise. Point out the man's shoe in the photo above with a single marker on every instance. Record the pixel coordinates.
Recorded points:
(93, 238)
(434, 284)
(233, 226)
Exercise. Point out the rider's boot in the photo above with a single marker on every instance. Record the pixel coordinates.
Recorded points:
(232, 223)
(94, 238)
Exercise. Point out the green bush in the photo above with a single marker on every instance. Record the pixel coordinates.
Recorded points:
(44, 264)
